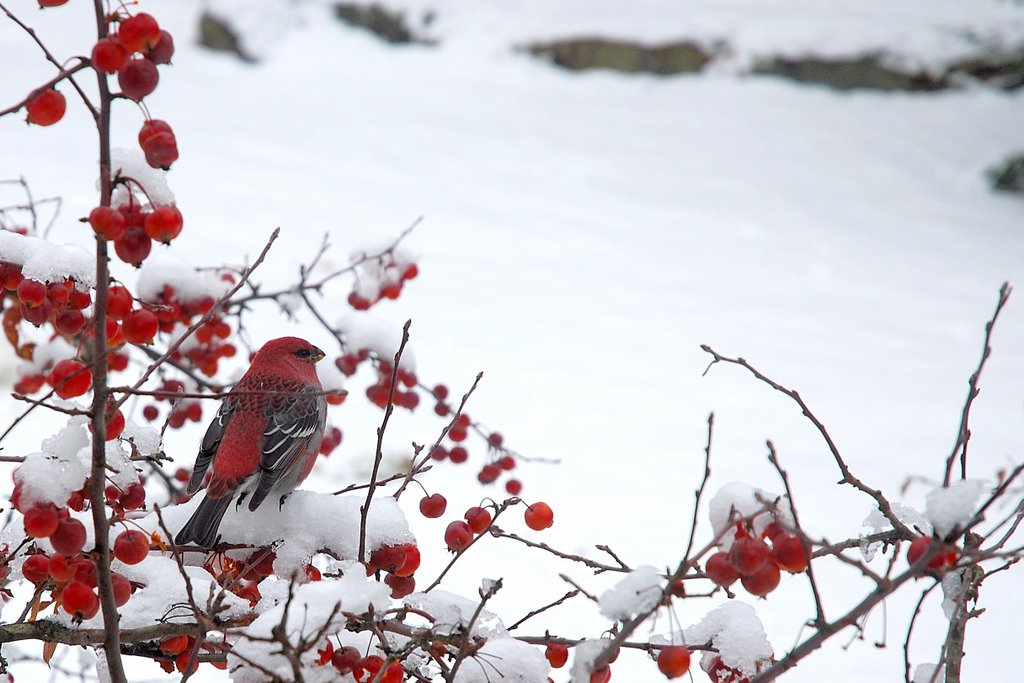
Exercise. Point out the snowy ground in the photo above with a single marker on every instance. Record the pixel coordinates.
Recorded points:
(583, 234)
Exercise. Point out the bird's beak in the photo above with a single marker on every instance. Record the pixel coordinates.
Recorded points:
(317, 356)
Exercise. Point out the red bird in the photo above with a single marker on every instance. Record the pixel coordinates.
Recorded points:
(264, 439)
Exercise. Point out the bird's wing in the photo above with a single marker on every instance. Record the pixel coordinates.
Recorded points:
(295, 426)
(208, 447)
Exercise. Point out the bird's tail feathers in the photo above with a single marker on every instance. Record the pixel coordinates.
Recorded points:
(202, 527)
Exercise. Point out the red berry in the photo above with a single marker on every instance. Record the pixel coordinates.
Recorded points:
(52, 3)
(507, 462)
(139, 33)
(85, 571)
(119, 302)
(458, 535)
(140, 326)
(138, 78)
(748, 555)
(134, 246)
(115, 425)
(788, 552)
(674, 661)
(344, 659)
(41, 520)
(433, 506)
(539, 516)
(107, 222)
(366, 668)
(164, 223)
(69, 322)
(360, 303)
(602, 675)
(763, 581)
(109, 55)
(46, 108)
(122, 588)
(720, 570)
(489, 473)
(478, 519)
(175, 646)
(400, 585)
(69, 378)
(36, 569)
(131, 546)
(557, 655)
(458, 455)
(494, 440)
(440, 392)
(134, 497)
(513, 487)
(410, 561)
(31, 293)
(69, 538)
(163, 50)
(60, 568)
(772, 530)
(79, 600)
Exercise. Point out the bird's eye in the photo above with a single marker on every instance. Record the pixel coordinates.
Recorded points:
(303, 353)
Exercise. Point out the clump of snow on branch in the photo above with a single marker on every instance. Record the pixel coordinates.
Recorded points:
(146, 440)
(367, 331)
(951, 507)
(737, 633)
(583, 661)
(737, 499)
(296, 539)
(637, 593)
(378, 267)
(132, 163)
(504, 659)
(876, 522)
(953, 592)
(56, 471)
(163, 268)
(48, 262)
(453, 613)
(314, 608)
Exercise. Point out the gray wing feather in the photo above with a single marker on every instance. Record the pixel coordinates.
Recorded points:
(210, 443)
(292, 431)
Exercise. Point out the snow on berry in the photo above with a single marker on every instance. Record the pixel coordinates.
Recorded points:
(48, 262)
(638, 592)
(296, 539)
(132, 163)
(951, 507)
(876, 522)
(584, 654)
(163, 269)
(736, 632)
(741, 499)
(53, 473)
(366, 331)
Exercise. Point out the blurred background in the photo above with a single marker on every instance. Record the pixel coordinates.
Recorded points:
(830, 190)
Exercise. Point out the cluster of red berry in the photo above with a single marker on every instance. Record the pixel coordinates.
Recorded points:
(390, 275)
(69, 573)
(754, 563)
(180, 654)
(348, 660)
(400, 563)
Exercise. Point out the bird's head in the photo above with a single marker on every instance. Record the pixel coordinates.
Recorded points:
(291, 351)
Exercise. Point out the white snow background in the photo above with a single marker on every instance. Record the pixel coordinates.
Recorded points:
(583, 234)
